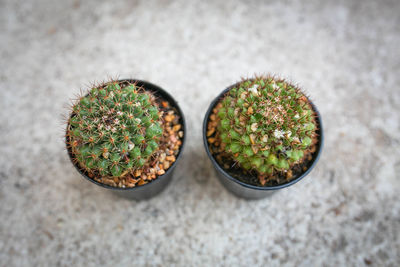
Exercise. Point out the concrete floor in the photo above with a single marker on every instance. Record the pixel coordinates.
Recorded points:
(345, 54)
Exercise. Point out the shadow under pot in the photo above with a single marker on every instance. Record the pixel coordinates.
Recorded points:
(114, 165)
(247, 182)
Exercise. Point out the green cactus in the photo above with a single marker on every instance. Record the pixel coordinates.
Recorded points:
(266, 124)
(114, 129)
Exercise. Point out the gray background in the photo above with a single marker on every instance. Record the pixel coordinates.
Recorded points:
(345, 54)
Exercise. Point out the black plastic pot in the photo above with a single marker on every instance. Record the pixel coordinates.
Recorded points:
(248, 191)
(153, 188)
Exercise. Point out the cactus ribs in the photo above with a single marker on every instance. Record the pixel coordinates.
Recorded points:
(265, 127)
(122, 135)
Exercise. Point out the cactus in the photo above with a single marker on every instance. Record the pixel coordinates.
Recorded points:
(266, 125)
(114, 129)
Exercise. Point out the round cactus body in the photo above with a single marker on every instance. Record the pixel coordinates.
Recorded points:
(114, 129)
(266, 125)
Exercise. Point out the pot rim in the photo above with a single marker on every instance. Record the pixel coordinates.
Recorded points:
(174, 103)
(261, 188)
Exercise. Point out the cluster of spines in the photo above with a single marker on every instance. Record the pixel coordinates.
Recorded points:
(115, 128)
(266, 124)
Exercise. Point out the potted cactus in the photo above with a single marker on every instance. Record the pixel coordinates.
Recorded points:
(262, 134)
(126, 136)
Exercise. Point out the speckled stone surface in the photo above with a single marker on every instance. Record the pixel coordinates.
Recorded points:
(345, 54)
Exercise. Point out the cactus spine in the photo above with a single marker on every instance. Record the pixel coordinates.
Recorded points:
(266, 124)
(114, 129)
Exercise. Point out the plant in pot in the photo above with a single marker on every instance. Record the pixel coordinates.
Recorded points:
(126, 136)
(262, 134)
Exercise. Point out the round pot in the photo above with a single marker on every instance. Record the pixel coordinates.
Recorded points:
(153, 188)
(245, 190)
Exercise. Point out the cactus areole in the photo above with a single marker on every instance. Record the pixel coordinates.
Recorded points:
(114, 129)
(266, 127)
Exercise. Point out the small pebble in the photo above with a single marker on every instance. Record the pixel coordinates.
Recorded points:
(170, 158)
(173, 138)
(169, 118)
(166, 165)
(176, 127)
(162, 157)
